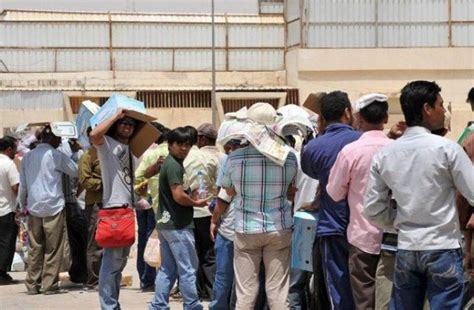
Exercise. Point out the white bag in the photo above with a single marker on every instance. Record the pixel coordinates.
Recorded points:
(152, 255)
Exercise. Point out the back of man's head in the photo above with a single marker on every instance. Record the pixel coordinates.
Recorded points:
(193, 131)
(414, 96)
(375, 113)
(333, 106)
(180, 135)
(470, 96)
(6, 143)
(47, 136)
(163, 132)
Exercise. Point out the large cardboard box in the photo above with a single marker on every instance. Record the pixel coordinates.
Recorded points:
(144, 133)
(111, 106)
(304, 233)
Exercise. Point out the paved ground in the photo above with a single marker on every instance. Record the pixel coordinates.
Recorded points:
(15, 297)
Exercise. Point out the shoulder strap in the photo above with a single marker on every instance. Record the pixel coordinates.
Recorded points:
(132, 175)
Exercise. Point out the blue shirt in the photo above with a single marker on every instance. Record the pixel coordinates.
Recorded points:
(316, 161)
(41, 187)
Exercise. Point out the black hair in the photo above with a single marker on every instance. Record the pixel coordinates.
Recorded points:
(194, 133)
(163, 132)
(290, 140)
(470, 96)
(333, 105)
(7, 142)
(375, 113)
(88, 131)
(180, 135)
(47, 133)
(413, 97)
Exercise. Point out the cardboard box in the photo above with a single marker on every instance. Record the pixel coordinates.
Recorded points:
(313, 103)
(144, 133)
(87, 110)
(60, 129)
(304, 233)
(111, 106)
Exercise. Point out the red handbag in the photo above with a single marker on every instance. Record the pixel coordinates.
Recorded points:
(115, 228)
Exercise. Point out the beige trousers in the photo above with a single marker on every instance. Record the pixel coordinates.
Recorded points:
(45, 252)
(274, 249)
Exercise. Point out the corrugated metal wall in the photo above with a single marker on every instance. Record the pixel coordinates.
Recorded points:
(293, 18)
(387, 23)
(31, 100)
(68, 42)
(268, 7)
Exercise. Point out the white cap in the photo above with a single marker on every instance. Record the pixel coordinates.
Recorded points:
(367, 100)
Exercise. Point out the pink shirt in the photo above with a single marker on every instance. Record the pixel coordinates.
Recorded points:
(348, 178)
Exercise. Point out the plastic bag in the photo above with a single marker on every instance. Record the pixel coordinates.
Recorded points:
(152, 255)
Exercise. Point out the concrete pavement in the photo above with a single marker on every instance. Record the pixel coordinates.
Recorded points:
(15, 297)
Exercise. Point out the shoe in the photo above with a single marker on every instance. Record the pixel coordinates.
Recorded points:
(6, 279)
(57, 291)
(34, 291)
(150, 288)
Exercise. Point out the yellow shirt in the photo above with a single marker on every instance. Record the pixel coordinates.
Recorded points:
(207, 160)
(149, 158)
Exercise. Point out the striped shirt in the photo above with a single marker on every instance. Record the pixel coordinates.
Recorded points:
(261, 186)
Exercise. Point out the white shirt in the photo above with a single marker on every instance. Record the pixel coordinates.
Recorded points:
(114, 158)
(306, 186)
(9, 177)
(423, 171)
(41, 188)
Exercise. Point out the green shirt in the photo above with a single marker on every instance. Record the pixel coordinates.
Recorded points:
(173, 215)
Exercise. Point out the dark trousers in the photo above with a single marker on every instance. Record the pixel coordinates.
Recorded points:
(77, 232)
(320, 298)
(146, 224)
(334, 258)
(299, 293)
(363, 268)
(94, 251)
(206, 255)
(8, 234)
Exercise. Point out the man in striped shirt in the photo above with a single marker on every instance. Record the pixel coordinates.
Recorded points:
(263, 221)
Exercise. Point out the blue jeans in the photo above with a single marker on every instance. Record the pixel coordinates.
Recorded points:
(146, 224)
(178, 259)
(438, 274)
(222, 290)
(110, 275)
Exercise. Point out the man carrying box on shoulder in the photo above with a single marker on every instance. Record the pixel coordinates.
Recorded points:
(111, 139)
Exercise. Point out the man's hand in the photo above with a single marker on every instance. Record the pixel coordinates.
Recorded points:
(470, 223)
(309, 206)
(213, 230)
(230, 191)
(397, 130)
(315, 204)
(142, 188)
(467, 261)
(290, 194)
(200, 203)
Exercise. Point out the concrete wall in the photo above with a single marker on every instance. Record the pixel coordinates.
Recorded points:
(360, 71)
(108, 80)
(172, 118)
(14, 118)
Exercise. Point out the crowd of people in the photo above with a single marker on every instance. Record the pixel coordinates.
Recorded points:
(391, 207)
